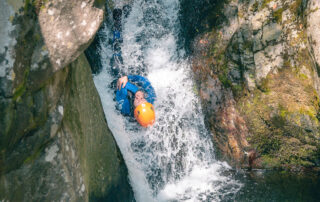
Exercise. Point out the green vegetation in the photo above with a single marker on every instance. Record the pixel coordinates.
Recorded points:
(99, 3)
(21, 88)
(27, 4)
(19, 91)
(264, 85)
(35, 155)
(265, 3)
(282, 114)
(270, 162)
(237, 89)
(277, 15)
(255, 6)
(296, 7)
(225, 81)
(267, 144)
(276, 120)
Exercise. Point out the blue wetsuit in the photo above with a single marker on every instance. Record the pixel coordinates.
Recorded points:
(123, 102)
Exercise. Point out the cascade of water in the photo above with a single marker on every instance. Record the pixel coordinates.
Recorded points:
(173, 160)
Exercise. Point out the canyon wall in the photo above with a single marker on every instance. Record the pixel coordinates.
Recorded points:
(257, 70)
(54, 140)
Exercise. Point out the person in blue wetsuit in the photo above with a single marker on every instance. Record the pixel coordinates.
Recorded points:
(141, 105)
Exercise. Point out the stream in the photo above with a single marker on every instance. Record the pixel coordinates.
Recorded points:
(174, 159)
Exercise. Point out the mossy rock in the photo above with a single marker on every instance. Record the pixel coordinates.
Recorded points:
(285, 112)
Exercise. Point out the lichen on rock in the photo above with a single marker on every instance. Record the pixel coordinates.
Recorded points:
(68, 28)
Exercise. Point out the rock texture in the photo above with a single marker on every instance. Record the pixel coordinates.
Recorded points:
(54, 141)
(84, 130)
(72, 29)
(258, 76)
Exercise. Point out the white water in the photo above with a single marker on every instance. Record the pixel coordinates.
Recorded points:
(173, 160)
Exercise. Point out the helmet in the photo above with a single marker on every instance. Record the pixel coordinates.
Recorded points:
(144, 114)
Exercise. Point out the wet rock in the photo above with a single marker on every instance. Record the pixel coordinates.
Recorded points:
(7, 43)
(266, 85)
(90, 141)
(46, 142)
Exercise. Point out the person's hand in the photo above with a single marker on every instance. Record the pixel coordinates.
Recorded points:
(122, 82)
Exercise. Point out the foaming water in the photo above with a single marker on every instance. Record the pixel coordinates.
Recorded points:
(174, 159)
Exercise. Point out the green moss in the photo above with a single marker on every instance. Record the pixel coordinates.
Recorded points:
(267, 144)
(277, 15)
(27, 4)
(195, 90)
(283, 112)
(295, 154)
(270, 162)
(277, 120)
(33, 157)
(264, 85)
(37, 37)
(225, 81)
(303, 76)
(296, 7)
(255, 6)
(291, 155)
(312, 114)
(21, 89)
(313, 10)
(237, 89)
(265, 3)
(99, 3)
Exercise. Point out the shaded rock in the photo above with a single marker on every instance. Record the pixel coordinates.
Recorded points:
(46, 141)
(84, 125)
(31, 181)
(257, 43)
(224, 119)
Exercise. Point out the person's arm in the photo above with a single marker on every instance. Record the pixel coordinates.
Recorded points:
(131, 87)
(146, 85)
(123, 83)
(123, 104)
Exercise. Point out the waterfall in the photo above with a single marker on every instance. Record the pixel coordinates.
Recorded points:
(174, 159)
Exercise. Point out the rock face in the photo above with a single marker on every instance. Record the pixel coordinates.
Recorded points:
(54, 141)
(72, 29)
(258, 76)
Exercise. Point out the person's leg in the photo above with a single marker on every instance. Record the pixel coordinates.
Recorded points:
(117, 15)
